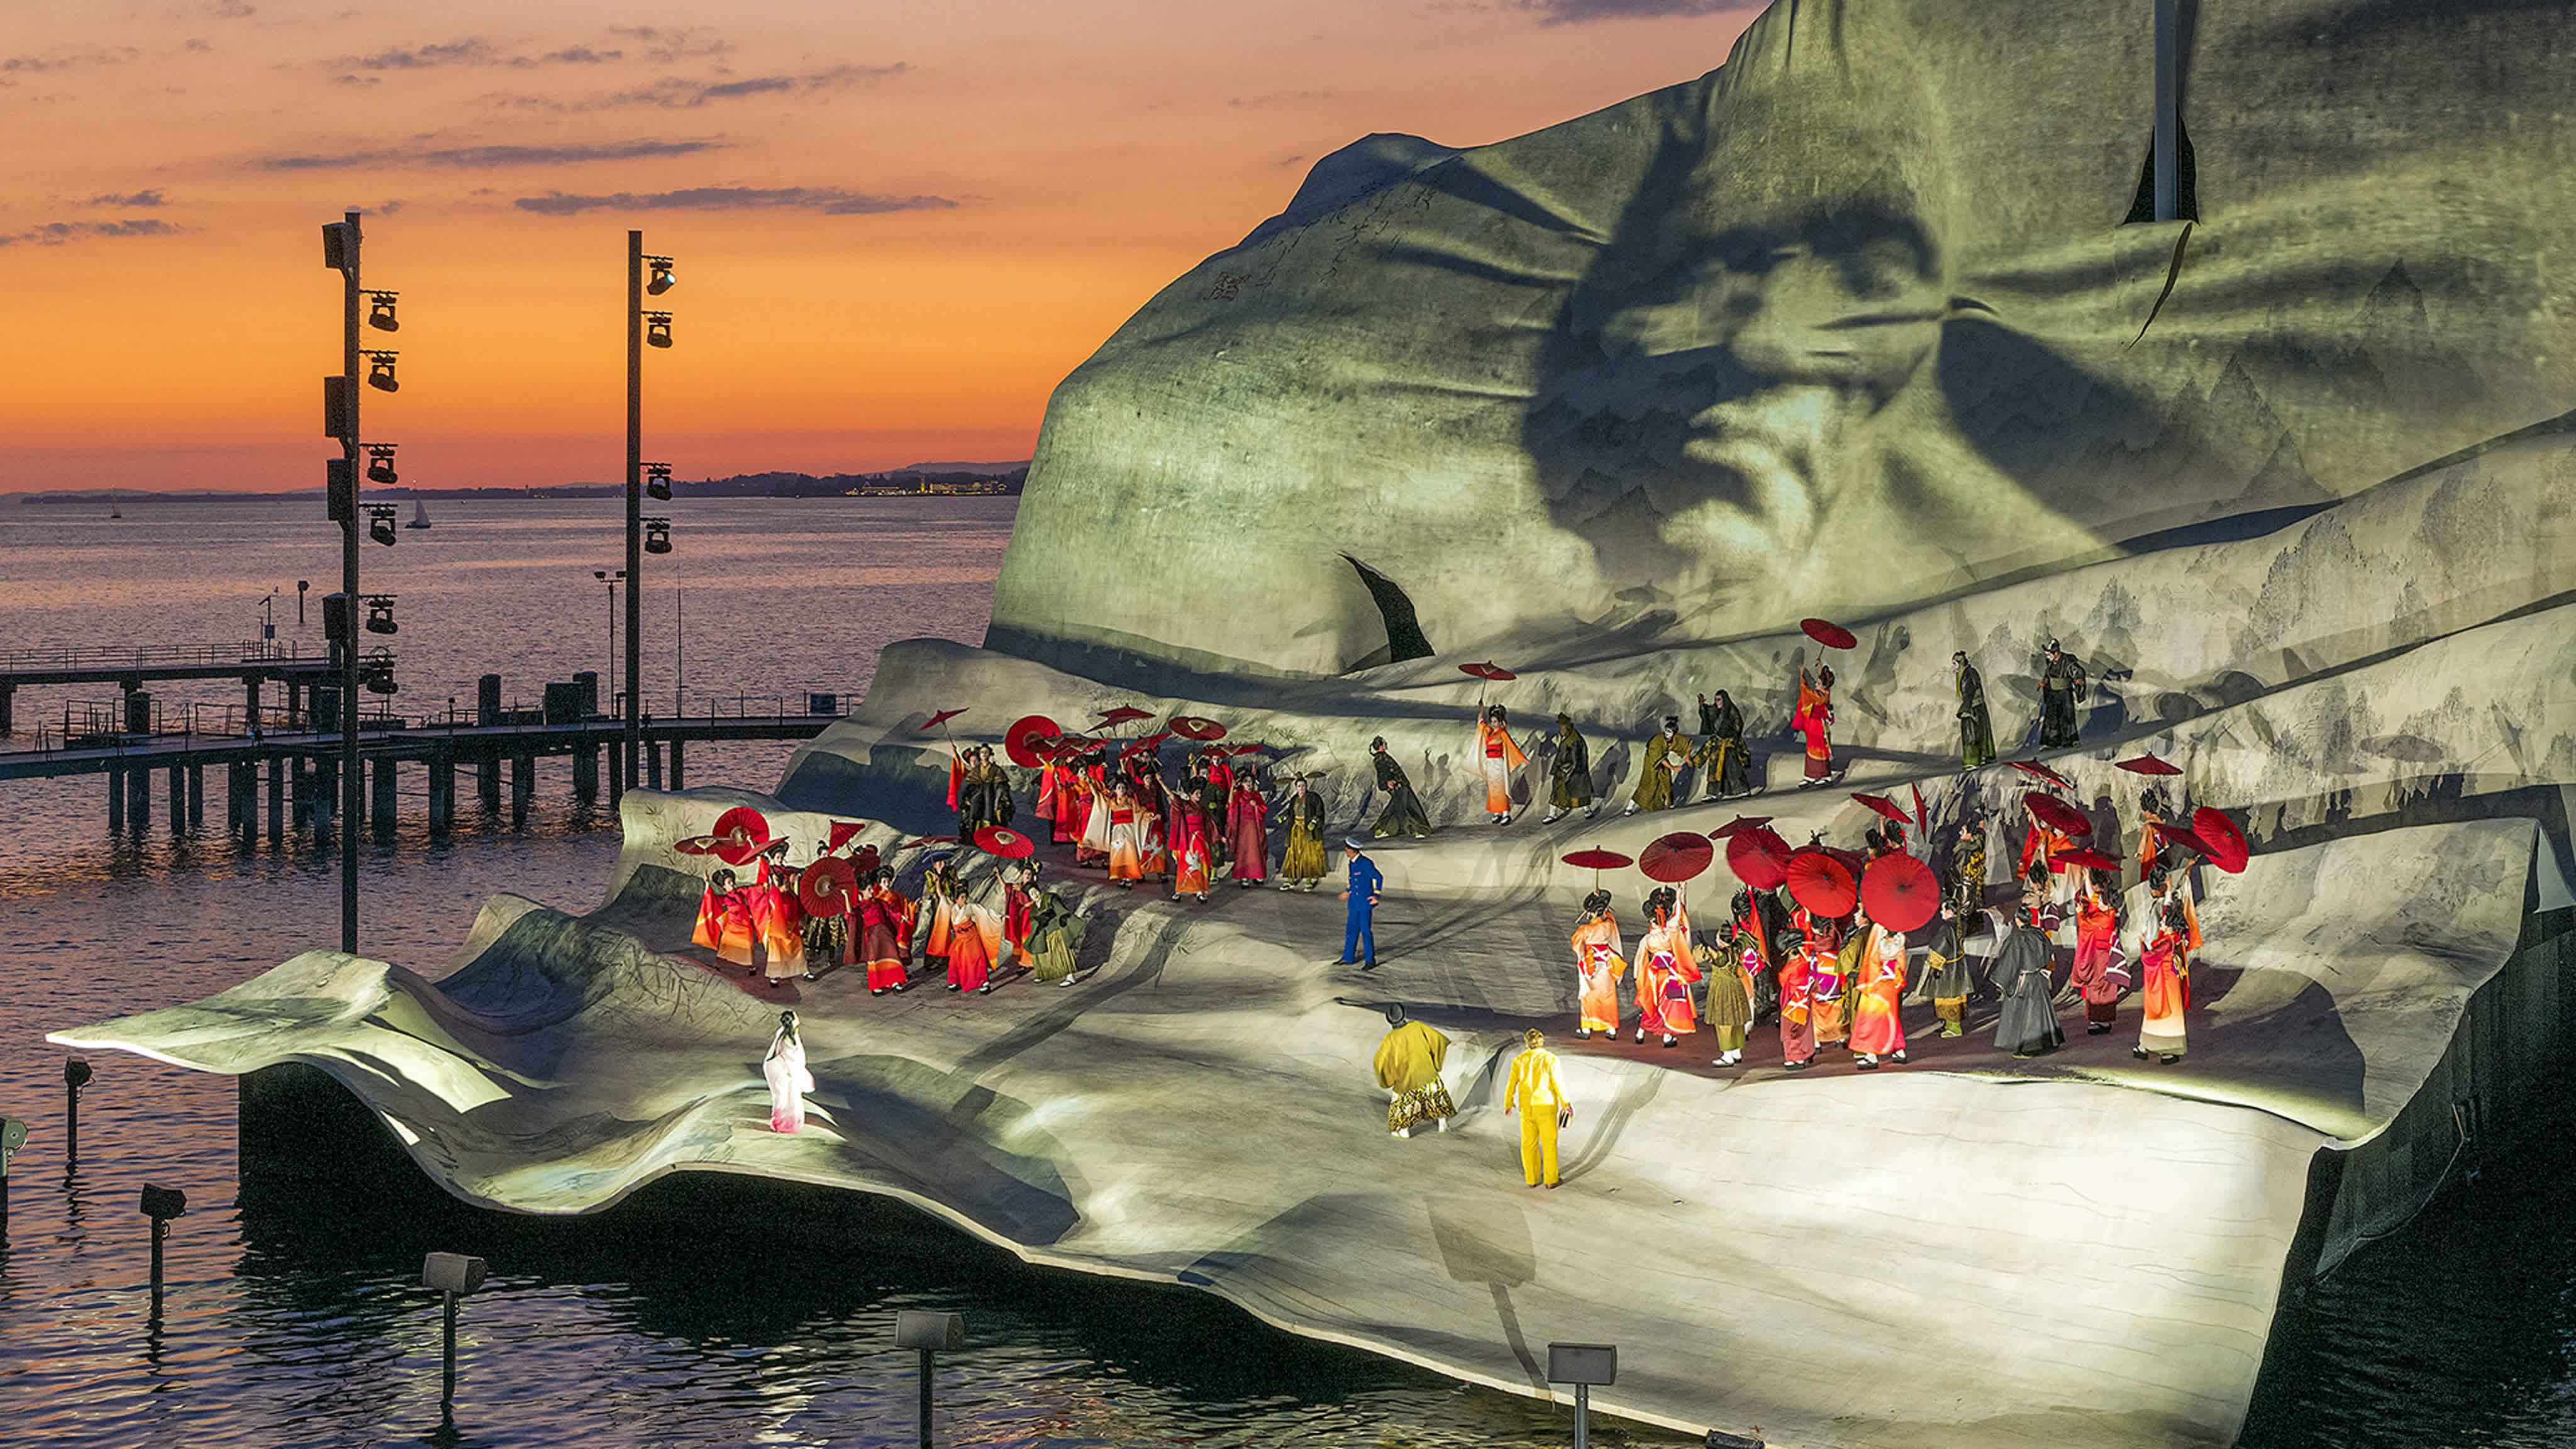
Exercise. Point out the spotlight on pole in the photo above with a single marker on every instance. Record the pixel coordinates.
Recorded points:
(662, 280)
(380, 615)
(380, 523)
(930, 1333)
(160, 1204)
(380, 311)
(451, 1276)
(380, 464)
(657, 481)
(1583, 1365)
(378, 675)
(657, 329)
(657, 535)
(380, 371)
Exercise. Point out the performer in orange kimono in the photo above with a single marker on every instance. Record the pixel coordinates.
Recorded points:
(1494, 746)
(974, 942)
(779, 919)
(1190, 851)
(1666, 970)
(724, 920)
(1597, 968)
(885, 924)
(1823, 947)
(1877, 1030)
(1814, 718)
(1247, 826)
(1797, 1030)
(2042, 847)
(2101, 966)
(1126, 841)
(2168, 963)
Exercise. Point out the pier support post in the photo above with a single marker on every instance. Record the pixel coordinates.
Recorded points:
(653, 764)
(585, 773)
(276, 800)
(442, 795)
(326, 798)
(239, 798)
(380, 805)
(178, 799)
(677, 760)
(196, 796)
(138, 797)
(8, 699)
(523, 783)
(487, 783)
(115, 801)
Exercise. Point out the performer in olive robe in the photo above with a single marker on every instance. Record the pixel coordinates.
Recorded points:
(2061, 688)
(1408, 1066)
(1303, 862)
(1730, 972)
(1055, 934)
(1658, 762)
(1976, 728)
(1569, 775)
(2028, 1025)
(1403, 814)
(1726, 767)
(1945, 973)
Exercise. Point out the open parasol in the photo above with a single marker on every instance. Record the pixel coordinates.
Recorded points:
(1488, 670)
(1759, 858)
(2034, 767)
(2088, 858)
(1883, 806)
(2057, 815)
(1821, 883)
(840, 833)
(1008, 844)
(1677, 857)
(2221, 839)
(1021, 741)
(1900, 892)
(740, 834)
(927, 840)
(1738, 826)
(2149, 765)
(941, 718)
(1123, 714)
(706, 845)
(1597, 861)
(1829, 633)
(1193, 727)
(828, 887)
(1922, 816)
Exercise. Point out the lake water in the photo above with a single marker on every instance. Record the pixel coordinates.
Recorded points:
(722, 1312)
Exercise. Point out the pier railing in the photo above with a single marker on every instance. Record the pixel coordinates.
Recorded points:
(101, 656)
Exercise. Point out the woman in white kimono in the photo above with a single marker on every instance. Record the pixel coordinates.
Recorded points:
(789, 1081)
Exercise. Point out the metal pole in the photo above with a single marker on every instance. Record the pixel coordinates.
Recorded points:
(1582, 1416)
(925, 1399)
(447, 1389)
(2168, 85)
(634, 505)
(160, 1229)
(349, 590)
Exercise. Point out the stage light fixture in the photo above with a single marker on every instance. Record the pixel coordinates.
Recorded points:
(380, 372)
(380, 463)
(657, 535)
(662, 280)
(380, 523)
(657, 329)
(380, 311)
(380, 615)
(657, 481)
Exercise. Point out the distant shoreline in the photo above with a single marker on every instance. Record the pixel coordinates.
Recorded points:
(992, 480)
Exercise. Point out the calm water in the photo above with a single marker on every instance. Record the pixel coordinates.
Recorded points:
(720, 1312)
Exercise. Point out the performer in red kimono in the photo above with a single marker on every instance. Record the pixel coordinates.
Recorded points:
(2042, 847)
(1597, 968)
(1797, 1032)
(724, 920)
(1878, 1031)
(1126, 842)
(1247, 826)
(1017, 907)
(1814, 718)
(2101, 966)
(1189, 851)
(885, 923)
(1823, 946)
(1501, 758)
(2168, 969)
(973, 941)
(1666, 970)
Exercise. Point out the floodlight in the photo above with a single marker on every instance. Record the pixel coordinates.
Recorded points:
(380, 463)
(451, 1273)
(657, 481)
(662, 280)
(380, 372)
(657, 329)
(380, 311)
(657, 535)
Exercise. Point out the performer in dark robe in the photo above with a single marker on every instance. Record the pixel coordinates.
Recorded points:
(2061, 688)
(1403, 814)
(1662, 758)
(1055, 934)
(1945, 974)
(2028, 1025)
(1725, 765)
(1976, 728)
(1569, 775)
(1216, 791)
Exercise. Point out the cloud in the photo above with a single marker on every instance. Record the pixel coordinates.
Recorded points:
(829, 200)
(129, 198)
(569, 55)
(233, 10)
(426, 57)
(56, 233)
(487, 158)
(1575, 12)
(666, 44)
(673, 93)
(66, 60)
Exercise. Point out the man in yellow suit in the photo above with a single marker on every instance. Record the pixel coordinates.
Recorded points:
(1408, 1066)
(1533, 1092)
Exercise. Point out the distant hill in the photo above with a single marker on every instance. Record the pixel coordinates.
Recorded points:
(911, 479)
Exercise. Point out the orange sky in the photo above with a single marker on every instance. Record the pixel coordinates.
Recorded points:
(897, 224)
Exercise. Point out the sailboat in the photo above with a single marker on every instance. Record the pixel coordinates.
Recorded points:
(419, 513)
(113, 511)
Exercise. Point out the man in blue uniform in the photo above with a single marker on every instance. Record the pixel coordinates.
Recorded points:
(1359, 947)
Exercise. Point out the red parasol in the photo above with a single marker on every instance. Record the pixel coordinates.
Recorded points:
(2034, 767)
(2183, 837)
(1254, 748)
(2149, 765)
(1677, 857)
(1922, 817)
(941, 718)
(1123, 713)
(1821, 883)
(1020, 742)
(2057, 815)
(2088, 858)
(699, 845)
(1759, 858)
(2222, 840)
(1153, 741)
(1192, 727)
(1854, 861)
(1597, 861)
(1738, 826)
(740, 834)
(1884, 806)
(1009, 844)
(1900, 892)
(928, 840)
(828, 887)
(1487, 670)
(1828, 633)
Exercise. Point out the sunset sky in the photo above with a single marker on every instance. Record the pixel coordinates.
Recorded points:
(897, 224)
